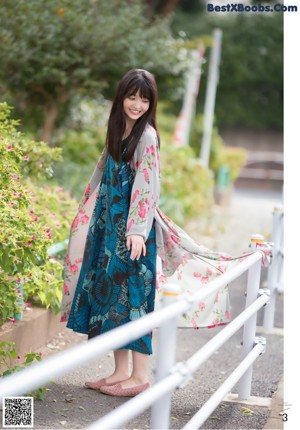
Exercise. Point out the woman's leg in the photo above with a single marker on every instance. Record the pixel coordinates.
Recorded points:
(139, 375)
(120, 373)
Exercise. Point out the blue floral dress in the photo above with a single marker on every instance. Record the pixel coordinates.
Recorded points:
(112, 289)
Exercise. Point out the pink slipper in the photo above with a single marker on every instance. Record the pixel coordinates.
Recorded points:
(118, 391)
(98, 384)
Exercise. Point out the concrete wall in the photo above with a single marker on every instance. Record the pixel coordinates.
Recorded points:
(254, 140)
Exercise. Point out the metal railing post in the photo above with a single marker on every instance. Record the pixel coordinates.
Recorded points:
(253, 284)
(160, 412)
(275, 269)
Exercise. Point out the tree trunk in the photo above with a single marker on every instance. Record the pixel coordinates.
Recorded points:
(161, 7)
(167, 7)
(51, 111)
(50, 115)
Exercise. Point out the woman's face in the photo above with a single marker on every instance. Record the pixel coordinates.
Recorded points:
(134, 107)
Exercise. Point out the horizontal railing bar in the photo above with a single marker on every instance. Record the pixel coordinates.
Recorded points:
(219, 339)
(40, 373)
(137, 405)
(201, 416)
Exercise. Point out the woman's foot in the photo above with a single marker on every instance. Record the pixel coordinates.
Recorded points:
(133, 382)
(106, 382)
(119, 391)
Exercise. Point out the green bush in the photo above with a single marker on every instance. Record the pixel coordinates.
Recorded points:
(186, 187)
(9, 354)
(32, 216)
(220, 155)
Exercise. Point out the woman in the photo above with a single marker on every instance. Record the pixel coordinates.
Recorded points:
(110, 272)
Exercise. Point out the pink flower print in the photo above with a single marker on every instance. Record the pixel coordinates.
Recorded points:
(131, 222)
(194, 323)
(184, 259)
(73, 269)
(201, 306)
(211, 326)
(169, 245)
(174, 238)
(88, 190)
(152, 150)
(135, 194)
(162, 278)
(87, 193)
(165, 264)
(75, 222)
(197, 275)
(222, 268)
(68, 259)
(78, 260)
(217, 297)
(228, 315)
(66, 289)
(84, 219)
(146, 175)
(142, 210)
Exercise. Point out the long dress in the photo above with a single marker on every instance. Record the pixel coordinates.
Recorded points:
(113, 289)
(180, 259)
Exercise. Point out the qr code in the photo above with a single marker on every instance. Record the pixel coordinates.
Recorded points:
(18, 412)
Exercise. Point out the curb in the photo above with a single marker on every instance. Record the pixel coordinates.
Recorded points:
(38, 326)
(277, 405)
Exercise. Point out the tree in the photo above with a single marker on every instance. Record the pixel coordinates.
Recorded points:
(163, 7)
(250, 90)
(52, 50)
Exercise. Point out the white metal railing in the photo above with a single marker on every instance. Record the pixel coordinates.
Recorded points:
(275, 270)
(168, 375)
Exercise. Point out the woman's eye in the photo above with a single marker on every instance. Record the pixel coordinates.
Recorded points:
(145, 100)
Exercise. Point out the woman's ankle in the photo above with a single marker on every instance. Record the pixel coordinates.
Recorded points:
(139, 379)
(118, 376)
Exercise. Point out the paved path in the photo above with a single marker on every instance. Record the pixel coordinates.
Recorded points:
(69, 405)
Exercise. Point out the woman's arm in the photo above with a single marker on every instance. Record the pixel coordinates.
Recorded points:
(146, 186)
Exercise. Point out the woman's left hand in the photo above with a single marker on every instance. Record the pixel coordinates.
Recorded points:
(137, 245)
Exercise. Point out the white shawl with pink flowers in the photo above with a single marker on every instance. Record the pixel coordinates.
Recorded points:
(181, 259)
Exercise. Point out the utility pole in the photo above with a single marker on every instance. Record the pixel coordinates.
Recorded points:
(210, 96)
(183, 124)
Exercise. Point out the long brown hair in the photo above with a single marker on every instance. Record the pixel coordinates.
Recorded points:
(133, 81)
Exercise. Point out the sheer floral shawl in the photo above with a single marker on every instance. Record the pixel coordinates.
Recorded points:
(180, 259)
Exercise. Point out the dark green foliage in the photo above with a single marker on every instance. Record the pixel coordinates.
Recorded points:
(250, 90)
(51, 50)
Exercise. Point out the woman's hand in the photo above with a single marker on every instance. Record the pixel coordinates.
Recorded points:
(137, 245)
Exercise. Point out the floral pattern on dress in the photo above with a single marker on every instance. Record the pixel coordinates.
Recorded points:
(180, 259)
